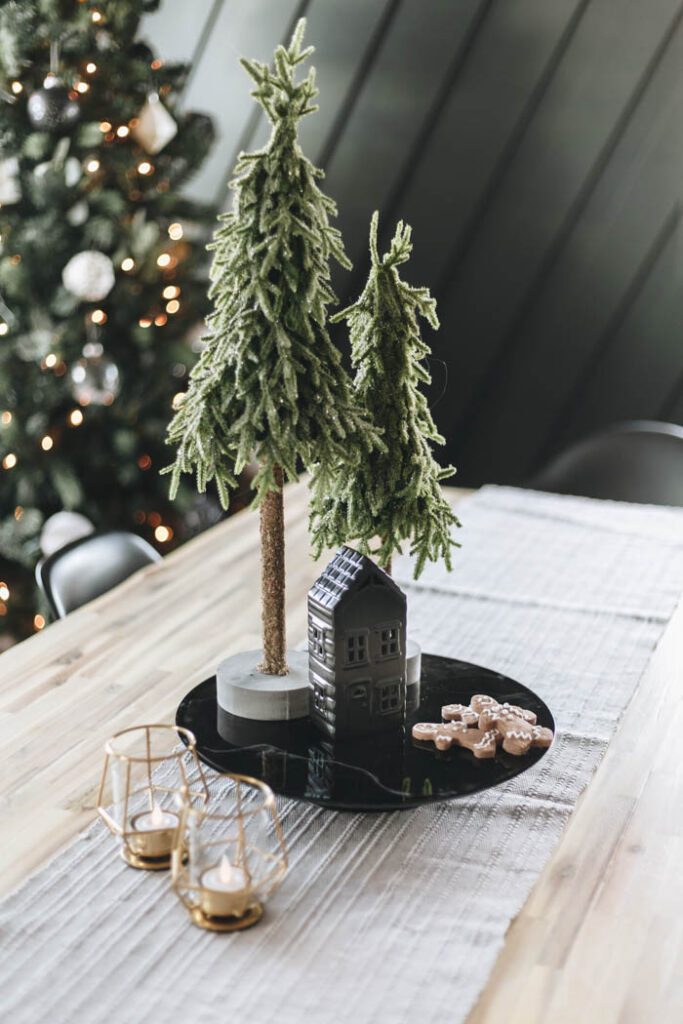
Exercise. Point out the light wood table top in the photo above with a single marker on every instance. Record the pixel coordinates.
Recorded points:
(600, 938)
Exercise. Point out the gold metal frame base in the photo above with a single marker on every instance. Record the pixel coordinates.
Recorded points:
(250, 917)
(136, 860)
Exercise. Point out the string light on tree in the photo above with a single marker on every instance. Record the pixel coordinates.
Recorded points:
(163, 534)
(98, 316)
(46, 443)
(164, 260)
(39, 622)
(4, 591)
(92, 166)
(3, 330)
(145, 168)
(175, 231)
(145, 322)
(6, 418)
(9, 461)
(91, 67)
(17, 88)
(171, 291)
(173, 306)
(128, 264)
(50, 360)
(75, 418)
(123, 131)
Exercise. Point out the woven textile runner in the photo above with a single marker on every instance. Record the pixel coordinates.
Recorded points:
(393, 916)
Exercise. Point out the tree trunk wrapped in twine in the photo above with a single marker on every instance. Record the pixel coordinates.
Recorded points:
(273, 580)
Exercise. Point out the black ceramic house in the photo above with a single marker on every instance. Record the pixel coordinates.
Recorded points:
(356, 648)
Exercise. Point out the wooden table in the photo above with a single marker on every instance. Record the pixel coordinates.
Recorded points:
(601, 937)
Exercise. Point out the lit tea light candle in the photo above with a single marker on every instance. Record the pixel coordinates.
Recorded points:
(224, 890)
(154, 832)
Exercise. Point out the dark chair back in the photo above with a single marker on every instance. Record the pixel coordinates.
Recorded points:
(88, 567)
(639, 461)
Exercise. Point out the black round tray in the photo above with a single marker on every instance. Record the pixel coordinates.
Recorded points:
(385, 772)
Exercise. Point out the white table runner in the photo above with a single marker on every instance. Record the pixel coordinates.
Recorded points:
(392, 916)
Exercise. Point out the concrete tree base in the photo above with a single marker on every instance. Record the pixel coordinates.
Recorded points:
(244, 691)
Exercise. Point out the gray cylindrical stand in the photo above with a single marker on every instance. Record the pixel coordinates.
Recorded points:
(244, 691)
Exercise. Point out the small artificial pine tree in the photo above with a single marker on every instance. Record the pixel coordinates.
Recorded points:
(100, 277)
(270, 383)
(395, 493)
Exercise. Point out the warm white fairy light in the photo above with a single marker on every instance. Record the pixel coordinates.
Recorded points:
(145, 167)
(163, 533)
(98, 316)
(6, 418)
(3, 329)
(9, 461)
(82, 87)
(91, 67)
(38, 622)
(173, 306)
(17, 87)
(92, 165)
(164, 260)
(105, 126)
(145, 321)
(128, 264)
(4, 591)
(46, 443)
(171, 291)
(175, 231)
(122, 131)
(51, 360)
(75, 418)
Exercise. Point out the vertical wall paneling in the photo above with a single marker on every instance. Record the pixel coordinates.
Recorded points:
(626, 376)
(536, 146)
(221, 87)
(615, 219)
(176, 29)
(345, 37)
(386, 122)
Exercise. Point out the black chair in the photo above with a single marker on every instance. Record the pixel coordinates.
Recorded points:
(639, 461)
(89, 566)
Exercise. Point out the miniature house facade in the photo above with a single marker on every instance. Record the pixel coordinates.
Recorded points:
(356, 648)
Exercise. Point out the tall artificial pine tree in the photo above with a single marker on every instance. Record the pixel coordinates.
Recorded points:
(270, 384)
(101, 277)
(394, 493)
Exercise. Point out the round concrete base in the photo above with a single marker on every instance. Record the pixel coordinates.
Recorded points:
(244, 691)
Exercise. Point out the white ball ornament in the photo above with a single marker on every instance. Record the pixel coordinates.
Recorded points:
(89, 275)
(63, 528)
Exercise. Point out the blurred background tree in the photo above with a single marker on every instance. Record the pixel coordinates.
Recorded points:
(102, 281)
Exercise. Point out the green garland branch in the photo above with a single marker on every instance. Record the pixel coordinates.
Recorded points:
(270, 384)
(395, 492)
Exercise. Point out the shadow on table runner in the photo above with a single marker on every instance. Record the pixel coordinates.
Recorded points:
(381, 916)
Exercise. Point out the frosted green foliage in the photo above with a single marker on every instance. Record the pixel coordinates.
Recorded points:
(394, 493)
(270, 383)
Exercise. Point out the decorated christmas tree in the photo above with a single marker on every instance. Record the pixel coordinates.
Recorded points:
(394, 494)
(270, 384)
(99, 276)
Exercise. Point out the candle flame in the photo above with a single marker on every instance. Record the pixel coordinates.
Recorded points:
(157, 817)
(225, 870)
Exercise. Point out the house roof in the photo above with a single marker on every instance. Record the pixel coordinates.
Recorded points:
(346, 573)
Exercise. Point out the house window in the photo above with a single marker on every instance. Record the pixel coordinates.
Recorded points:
(389, 697)
(318, 695)
(388, 641)
(357, 648)
(316, 641)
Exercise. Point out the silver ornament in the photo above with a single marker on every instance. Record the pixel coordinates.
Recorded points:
(51, 108)
(89, 275)
(95, 379)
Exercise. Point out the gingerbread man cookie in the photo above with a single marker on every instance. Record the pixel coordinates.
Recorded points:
(482, 726)
(459, 713)
(482, 742)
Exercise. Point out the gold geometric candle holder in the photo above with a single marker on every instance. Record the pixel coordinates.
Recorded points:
(234, 855)
(149, 775)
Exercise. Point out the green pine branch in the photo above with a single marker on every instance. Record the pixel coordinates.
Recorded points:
(394, 493)
(270, 383)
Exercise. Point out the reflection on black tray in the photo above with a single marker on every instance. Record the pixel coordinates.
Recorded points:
(385, 772)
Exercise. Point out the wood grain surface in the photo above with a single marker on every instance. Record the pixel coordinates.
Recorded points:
(600, 938)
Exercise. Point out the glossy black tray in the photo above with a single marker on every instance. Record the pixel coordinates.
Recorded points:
(386, 772)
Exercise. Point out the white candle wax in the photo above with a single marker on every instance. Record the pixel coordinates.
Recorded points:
(224, 889)
(153, 832)
(155, 820)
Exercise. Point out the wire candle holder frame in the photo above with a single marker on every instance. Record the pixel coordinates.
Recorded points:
(150, 786)
(230, 855)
